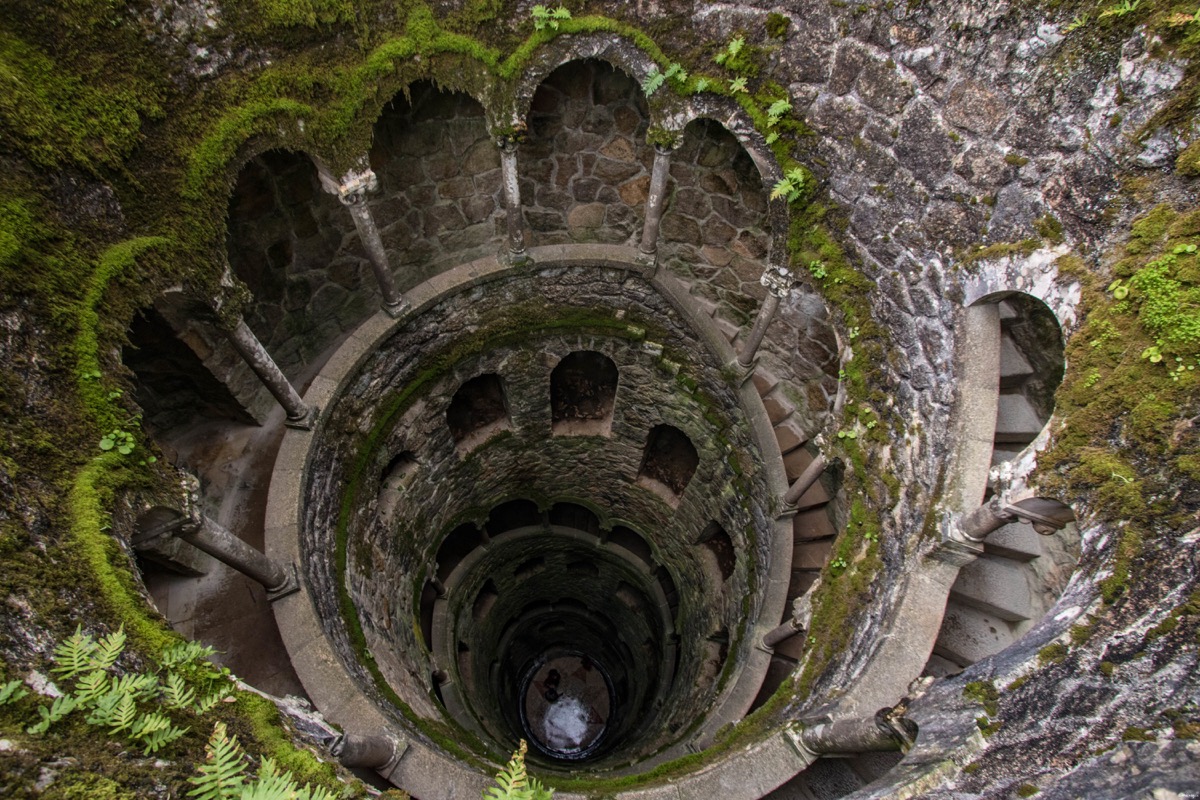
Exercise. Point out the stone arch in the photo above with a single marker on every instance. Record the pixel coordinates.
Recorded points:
(615, 51)
(717, 229)
(478, 411)
(585, 165)
(291, 244)
(583, 393)
(669, 461)
(439, 180)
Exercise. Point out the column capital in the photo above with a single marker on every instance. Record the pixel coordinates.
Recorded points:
(353, 187)
(778, 280)
(508, 142)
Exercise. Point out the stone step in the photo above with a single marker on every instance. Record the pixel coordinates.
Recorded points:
(831, 778)
(995, 585)
(790, 435)
(764, 381)
(812, 553)
(813, 523)
(800, 582)
(1007, 312)
(1002, 454)
(794, 463)
(938, 667)
(778, 407)
(1015, 369)
(727, 328)
(1016, 420)
(968, 634)
(1017, 540)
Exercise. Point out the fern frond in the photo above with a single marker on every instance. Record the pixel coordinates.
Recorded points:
(177, 693)
(60, 708)
(736, 46)
(653, 81)
(159, 739)
(123, 714)
(140, 685)
(221, 775)
(270, 784)
(315, 793)
(148, 724)
(109, 649)
(738, 85)
(74, 655)
(11, 692)
(91, 687)
(208, 702)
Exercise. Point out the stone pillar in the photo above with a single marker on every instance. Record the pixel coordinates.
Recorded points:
(778, 281)
(656, 202)
(204, 534)
(372, 752)
(785, 631)
(352, 192)
(805, 482)
(988, 518)
(256, 356)
(855, 735)
(512, 198)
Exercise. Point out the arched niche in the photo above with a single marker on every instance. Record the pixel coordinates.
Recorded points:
(668, 463)
(717, 553)
(519, 513)
(393, 480)
(457, 545)
(294, 246)
(585, 166)
(716, 229)
(573, 515)
(583, 392)
(439, 181)
(478, 411)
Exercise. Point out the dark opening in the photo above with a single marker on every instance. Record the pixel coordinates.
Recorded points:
(477, 411)
(429, 596)
(571, 515)
(173, 386)
(717, 542)
(511, 515)
(669, 462)
(457, 545)
(583, 391)
(633, 542)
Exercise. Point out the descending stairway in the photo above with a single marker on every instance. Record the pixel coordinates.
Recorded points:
(997, 597)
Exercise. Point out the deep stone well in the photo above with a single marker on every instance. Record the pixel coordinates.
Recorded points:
(971, 178)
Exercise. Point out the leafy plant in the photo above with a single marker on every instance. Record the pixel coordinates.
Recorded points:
(1120, 9)
(777, 109)
(513, 783)
(818, 270)
(731, 51)
(702, 85)
(11, 692)
(738, 85)
(114, 702)
(1179, 20)
(549, 18)
(1075, 24)
(790, 186)
(655, 79)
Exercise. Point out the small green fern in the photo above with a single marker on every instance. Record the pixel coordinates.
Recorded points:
(177, 694)
(514, 783)
(11, 692)
(223, 776)
(791, 186)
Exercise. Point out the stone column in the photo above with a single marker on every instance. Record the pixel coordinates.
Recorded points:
(372, 752)
(805, 482)
(204, 534)
(512, 198)
(857, 735)
(785, 631)
(256, 356)
(352, 192)
(988, 518)
(656, 202)
(778, 281)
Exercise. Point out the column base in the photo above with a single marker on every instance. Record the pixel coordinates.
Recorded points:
(304, 423)
(648, 261)
(742, 372)
(515, 259)
(290, 585)
(396, 309)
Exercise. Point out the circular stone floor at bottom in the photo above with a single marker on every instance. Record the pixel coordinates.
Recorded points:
(567, 700)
